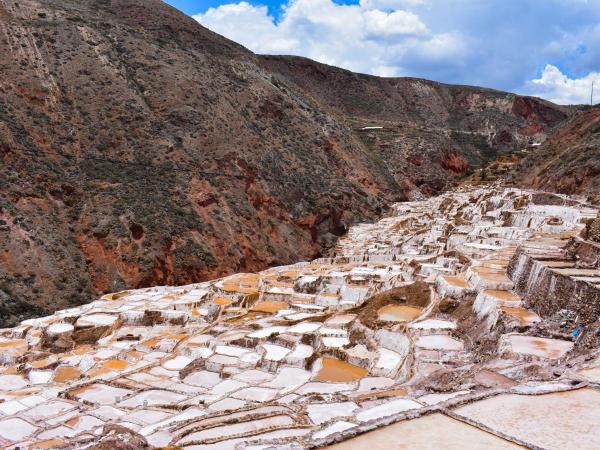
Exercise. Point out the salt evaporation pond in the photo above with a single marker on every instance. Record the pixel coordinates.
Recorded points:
(398, 313)
(334, 370)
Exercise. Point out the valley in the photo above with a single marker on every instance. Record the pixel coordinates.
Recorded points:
(473, 312)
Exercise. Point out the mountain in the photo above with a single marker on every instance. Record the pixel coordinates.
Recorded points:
(139, 148)
(432, 131)
(569, 160)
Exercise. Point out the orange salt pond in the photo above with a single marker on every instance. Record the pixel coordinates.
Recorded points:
(98, 372)
(115, 364)
(81, 349)
(222, 301)
(398, 313)
(151, 343)
(269, 306)
(456, 280)
(336, 371)
(42, 363)
(64, 374)
(503, 295)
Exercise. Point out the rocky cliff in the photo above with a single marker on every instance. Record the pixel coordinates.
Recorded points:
(139, 148)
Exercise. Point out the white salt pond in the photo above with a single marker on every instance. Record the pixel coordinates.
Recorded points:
(433, 432)
(439, 342)
(554, 421)
(537, 346)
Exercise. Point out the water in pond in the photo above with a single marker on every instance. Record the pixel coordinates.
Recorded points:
(398, 313)
(66, 373)
(269, 306)
(222, 301)
(336, 371)
(115, 364)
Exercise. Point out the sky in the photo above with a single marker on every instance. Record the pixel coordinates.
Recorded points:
(546, 48)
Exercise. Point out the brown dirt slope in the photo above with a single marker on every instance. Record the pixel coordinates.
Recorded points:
(139, 148)
(569, 161)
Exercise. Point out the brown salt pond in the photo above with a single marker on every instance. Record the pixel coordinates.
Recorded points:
(523, 316)
(336, 371)
(456, 280)
(269, 306)
(398, 313)
(222, 301)
(64, 374)
(505, 296)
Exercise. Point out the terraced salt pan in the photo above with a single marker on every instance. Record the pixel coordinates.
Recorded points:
(398, 313)
(323, 412)
(334, 370)
(523, 316)
(592, 374)
(439, 342)
(334, 428)
(289, 378)
(153, 398)
(335, 342)
(434, 431)
(12, 382)
(537, 346)
(501, 298)
(249, 428)
(553, 421)
(388, 362)
(15, 429)
(102, 394)
(433, 324)
(275, 352)
(233, 359)
(373, 383)
(304, 327)
(59, 328)
(96, 320)
(387, 409)
(256, 394)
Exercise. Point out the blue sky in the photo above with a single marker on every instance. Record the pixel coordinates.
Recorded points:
(548, 48)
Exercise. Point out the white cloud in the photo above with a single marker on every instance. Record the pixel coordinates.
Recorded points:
(375, 36)
(496, 47)
(380, 23)
(559, 88)
(390, 4)
(249, 25)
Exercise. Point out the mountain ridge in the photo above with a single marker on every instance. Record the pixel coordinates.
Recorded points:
(140, 148)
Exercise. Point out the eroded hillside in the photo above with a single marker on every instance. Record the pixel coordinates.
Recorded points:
(430, 132)
(569, 161)
(138, 149)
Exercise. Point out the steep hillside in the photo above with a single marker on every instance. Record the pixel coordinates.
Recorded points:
(569, 161)
(139, 148)
(427, 126)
